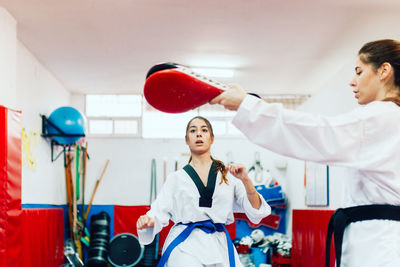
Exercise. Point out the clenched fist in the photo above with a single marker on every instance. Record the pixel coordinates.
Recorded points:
(144, 222)
(239, 171)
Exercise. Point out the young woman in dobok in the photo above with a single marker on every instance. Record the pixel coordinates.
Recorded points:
(200, 199)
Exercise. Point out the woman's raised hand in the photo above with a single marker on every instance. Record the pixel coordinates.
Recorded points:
(144, 222)
(239, 171)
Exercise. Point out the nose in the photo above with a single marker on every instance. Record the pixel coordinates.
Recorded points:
(353, 82)
(198, 133)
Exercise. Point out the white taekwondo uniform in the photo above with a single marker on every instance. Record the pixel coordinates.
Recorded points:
(179, 201)
(366, 140)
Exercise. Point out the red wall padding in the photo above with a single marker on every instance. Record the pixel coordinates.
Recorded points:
(309, 236)
(43, 237)
(125, 218)
(27, 237)
(10, 187)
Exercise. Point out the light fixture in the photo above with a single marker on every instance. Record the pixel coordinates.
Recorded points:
(214, 72)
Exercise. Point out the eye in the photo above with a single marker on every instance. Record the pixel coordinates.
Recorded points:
(205, 130)
(192, 130)
(359, 73)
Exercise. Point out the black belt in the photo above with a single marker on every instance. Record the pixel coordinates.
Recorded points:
(343, 217)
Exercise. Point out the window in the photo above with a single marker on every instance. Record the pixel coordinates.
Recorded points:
(113, 105)
(114, 115)
(100, 126)
(162, 125)
(126, 126)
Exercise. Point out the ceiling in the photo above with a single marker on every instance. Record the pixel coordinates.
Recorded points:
(274, 46)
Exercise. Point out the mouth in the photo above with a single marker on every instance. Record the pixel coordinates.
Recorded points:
(199, 142)
(356, 94)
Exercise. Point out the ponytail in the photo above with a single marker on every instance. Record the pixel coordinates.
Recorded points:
(395, 100)
(221, 167)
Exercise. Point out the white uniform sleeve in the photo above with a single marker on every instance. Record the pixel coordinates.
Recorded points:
(160, 212)
(301, 135)
(242, 204)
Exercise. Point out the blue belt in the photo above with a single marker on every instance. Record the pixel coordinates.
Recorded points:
(208, 227)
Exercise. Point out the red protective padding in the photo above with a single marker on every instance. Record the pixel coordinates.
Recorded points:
(232, 230)
(10, 187)
(43, 237)
(271, 221)
(309, 237)
(174, 91)
(125, 218)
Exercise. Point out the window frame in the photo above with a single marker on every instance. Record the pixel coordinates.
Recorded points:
(138, 134)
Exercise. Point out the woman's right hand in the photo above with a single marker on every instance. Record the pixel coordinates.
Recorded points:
(144, 222)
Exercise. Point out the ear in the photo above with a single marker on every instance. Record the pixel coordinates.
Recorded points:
(186, 140)
(385, 71)
(212, 139)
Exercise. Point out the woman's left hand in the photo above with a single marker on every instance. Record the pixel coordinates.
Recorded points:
(239, 171)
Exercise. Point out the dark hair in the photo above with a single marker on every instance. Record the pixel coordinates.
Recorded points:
(383, 51)
(220, 165)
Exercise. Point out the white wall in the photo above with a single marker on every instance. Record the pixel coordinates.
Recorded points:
(39, 92)
(8, 41)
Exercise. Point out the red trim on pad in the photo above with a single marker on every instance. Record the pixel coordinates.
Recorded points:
(271, 221)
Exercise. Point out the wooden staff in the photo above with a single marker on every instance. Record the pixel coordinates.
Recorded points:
(95, 189)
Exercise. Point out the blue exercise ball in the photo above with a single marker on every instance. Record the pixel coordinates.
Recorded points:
(69, 121)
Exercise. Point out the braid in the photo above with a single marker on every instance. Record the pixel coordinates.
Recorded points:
(221, 167)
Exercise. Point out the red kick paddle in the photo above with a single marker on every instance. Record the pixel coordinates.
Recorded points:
(174, 88)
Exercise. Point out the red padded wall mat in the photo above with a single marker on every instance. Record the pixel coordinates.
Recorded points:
(43, 237)
(10, 187)
(125, 218)
(309, 236)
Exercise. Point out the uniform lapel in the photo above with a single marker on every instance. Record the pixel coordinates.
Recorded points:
(207, 192)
